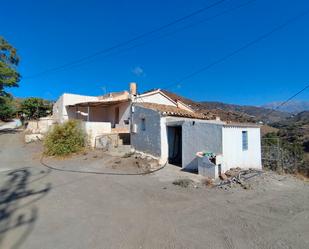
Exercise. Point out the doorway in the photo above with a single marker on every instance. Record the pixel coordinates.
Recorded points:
(117, 115)
(174, 137)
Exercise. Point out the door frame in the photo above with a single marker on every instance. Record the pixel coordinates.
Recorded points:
(177, 143)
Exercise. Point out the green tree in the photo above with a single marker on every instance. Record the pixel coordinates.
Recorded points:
(35, 108)
(9, 77)
(7, 107)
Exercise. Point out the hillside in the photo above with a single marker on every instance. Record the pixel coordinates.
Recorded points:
(293, 133)
(225, 115)
(291, 107)
(233, 112)
(295, 129)
(256, 113)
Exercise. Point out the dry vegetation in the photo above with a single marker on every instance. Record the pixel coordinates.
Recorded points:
(65, 139)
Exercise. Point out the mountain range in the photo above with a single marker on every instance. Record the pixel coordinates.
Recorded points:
(294, 106)
(232, 112)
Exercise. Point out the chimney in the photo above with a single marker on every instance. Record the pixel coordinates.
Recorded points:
(133, 89)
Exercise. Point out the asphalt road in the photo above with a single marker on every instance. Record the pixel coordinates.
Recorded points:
(46, 209)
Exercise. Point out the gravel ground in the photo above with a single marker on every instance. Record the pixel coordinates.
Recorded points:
(42, 208)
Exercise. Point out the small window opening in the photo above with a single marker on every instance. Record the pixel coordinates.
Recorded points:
(244, 140)
(143, 124)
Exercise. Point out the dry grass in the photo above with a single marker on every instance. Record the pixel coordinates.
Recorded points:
(265, 129)
(65, 139)
(208, 182)
(184, 183)
(302, 177)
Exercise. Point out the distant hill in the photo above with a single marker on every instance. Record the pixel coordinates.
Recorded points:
(232, 112)
(291, 107)
(296, 128)
(256, 113)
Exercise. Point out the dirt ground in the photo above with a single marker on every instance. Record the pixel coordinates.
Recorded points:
(63, 206)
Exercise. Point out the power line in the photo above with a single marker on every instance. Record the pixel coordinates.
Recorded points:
(237, 51)
(288, 100)
(122, 44)
(161, 36)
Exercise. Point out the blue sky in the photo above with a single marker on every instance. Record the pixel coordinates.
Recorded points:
(51, 33)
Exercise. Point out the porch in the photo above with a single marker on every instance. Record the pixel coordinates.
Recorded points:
(100, 118)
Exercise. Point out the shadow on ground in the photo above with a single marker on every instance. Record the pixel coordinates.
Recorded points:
(9, 131)
(18, 212)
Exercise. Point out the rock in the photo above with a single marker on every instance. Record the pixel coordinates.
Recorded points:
(153, 165)
(228, 173)
(223, 177)
(207, 181)
(33, 137)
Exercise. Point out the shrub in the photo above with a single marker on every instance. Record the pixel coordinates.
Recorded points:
(65, 139)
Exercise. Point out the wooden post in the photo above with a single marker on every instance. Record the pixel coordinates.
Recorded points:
(88, 116)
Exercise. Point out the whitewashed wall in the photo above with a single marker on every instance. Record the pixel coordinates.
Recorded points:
(58, 109)
(60, 112)
(233, 154)
(149, 140)
(124, 113)
(163, 140)
(197, 135)
(156, 98)
(94, 129)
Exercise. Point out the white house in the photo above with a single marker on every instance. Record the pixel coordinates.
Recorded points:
(163, 127)
(107, 114)
(175, 136)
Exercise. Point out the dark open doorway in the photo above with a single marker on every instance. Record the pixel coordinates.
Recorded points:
(174, 136)
(117, 115)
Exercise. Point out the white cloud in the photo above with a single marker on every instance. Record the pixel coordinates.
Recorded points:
(138, 71)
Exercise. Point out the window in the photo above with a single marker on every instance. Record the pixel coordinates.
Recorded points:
(143, 124)
(244, 140)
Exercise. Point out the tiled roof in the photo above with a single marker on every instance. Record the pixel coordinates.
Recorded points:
(166, 110)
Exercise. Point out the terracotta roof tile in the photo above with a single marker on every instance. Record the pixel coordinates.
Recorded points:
(167, 110)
